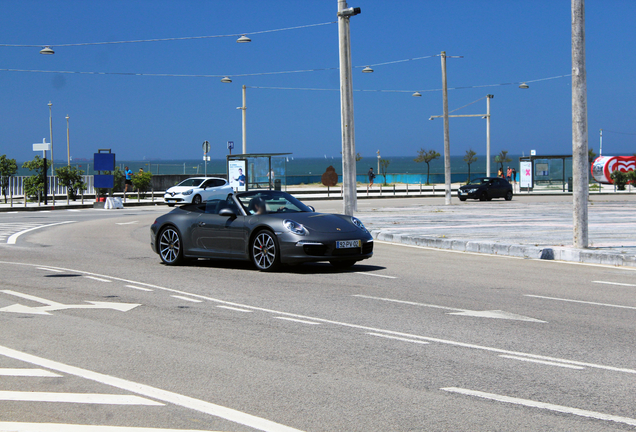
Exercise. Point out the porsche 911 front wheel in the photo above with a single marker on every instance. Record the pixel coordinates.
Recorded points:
(170, 246)
(265, 252)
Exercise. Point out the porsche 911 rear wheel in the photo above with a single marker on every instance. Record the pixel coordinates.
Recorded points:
(170, 246)
(265, 252)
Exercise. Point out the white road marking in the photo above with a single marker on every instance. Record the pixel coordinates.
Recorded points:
(542, 405)
(138, 288)
(50, 269)
(152, 392)
(61, 427)
(80, 398)
(73, 210)
(497, 314)
(399, 338)
(614, 283)
(234, 309)
(297, 320)
(376, 275)
(98, 279)
(15, 236)
(126, 223)
(548, 262)
(54, 306)
(581, 301)
(542, 362)
(28, 373)
(187, 299)
(353, 326)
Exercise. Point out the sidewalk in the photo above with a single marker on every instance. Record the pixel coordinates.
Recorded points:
(535, 225)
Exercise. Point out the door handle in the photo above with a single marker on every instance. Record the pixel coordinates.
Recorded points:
(201, 224)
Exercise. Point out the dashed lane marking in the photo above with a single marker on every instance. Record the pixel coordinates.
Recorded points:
(298, 320)
(399, 338)
(23, 372)
(138, 288)
(542, 405)
(187, 299)
(234, 309)
(581, 301)
(97, 279)
(79, 398)
(542, 362)
(614, 283)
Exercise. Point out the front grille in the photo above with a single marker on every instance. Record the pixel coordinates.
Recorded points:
(315, 250)
(367, 248)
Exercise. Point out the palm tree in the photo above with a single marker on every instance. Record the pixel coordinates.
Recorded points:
(426, 156)
(502, 158)
(470, 158)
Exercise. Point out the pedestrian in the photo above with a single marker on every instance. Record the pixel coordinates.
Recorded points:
(128, 173)
(500, 173)
(509, 174)
(371, 175)
(514, 178)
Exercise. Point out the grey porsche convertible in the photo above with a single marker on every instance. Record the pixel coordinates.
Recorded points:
(269, 228)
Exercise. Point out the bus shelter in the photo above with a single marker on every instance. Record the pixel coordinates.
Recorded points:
(257, 171)
(550, 172)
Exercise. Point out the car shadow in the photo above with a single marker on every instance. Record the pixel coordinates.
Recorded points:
(304, 268)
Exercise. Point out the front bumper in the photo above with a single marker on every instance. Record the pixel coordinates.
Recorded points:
(304, 250)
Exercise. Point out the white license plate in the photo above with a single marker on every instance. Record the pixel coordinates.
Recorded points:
(344, 244)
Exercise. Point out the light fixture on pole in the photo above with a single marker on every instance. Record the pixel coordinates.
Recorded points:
(243, 39)
(68, 142)
(226, 80)
(367, 70)
(47, 51)
(417, 94)
(523, 86)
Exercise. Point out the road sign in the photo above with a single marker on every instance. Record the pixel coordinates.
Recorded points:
(43, 146)
(230, 145)
(206, 147)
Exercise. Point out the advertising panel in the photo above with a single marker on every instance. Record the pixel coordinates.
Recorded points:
(525, 174)
(237, 174)
(603, 167)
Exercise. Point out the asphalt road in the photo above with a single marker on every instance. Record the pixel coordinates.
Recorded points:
(410, 340)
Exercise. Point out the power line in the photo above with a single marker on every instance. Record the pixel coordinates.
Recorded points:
(621, 133)
(169, 39)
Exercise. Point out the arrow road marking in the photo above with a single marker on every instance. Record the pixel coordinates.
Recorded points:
(53, 306)
(496, 314)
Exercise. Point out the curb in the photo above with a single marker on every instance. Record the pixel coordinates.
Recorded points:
(514, 250)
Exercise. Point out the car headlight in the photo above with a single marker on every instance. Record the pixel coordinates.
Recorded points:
(357, 222)
(294, 227)
(471, 190)
(188, 192)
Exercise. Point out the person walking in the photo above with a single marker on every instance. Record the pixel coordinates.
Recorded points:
(514, 178)
(509, 174)
(128, 172)
(500, 173)
(371, 175)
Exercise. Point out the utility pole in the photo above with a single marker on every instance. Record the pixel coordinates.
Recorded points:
(488, 97)
(579, 127)
(244, 108)
(51, 138)
(447, 170)
(68, 142)
(346, 109)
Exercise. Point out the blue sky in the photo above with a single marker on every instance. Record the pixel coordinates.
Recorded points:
(169, 117)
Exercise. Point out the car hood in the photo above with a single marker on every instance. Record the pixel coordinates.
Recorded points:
(323, 222)
(179, 189)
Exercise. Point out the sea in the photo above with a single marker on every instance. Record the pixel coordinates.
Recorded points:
(296, 170)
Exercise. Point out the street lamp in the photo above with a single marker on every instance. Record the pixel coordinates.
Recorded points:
(47, 51)
(367, 69)
(226, 80)
(417, 94)
(523, 86)
(243, 39)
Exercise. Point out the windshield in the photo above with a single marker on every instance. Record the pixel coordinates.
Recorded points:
(191, 182)
(266, 202)
(480, 181)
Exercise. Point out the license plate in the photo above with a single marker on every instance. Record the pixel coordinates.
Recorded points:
(345, 244)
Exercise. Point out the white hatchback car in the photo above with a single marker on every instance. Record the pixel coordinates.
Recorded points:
(196, 190)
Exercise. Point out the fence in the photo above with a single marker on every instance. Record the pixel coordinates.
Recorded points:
(16, 186)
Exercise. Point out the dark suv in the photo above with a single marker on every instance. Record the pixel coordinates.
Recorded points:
(486, 188)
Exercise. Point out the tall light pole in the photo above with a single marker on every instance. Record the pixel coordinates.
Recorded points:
(244, 108)
(68, 142)
(580, 188)
(51, 138)
(346, 109)
(447, 170)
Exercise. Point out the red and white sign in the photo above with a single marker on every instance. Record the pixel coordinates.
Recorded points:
(603, 167)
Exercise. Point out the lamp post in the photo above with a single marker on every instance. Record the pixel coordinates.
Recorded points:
(68, 142)
(346, 109)
(487, 117)
(244, 108)
(447, 170)
(51, 137)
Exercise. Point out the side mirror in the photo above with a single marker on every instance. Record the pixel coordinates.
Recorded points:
(312, 208)
(227, 212)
